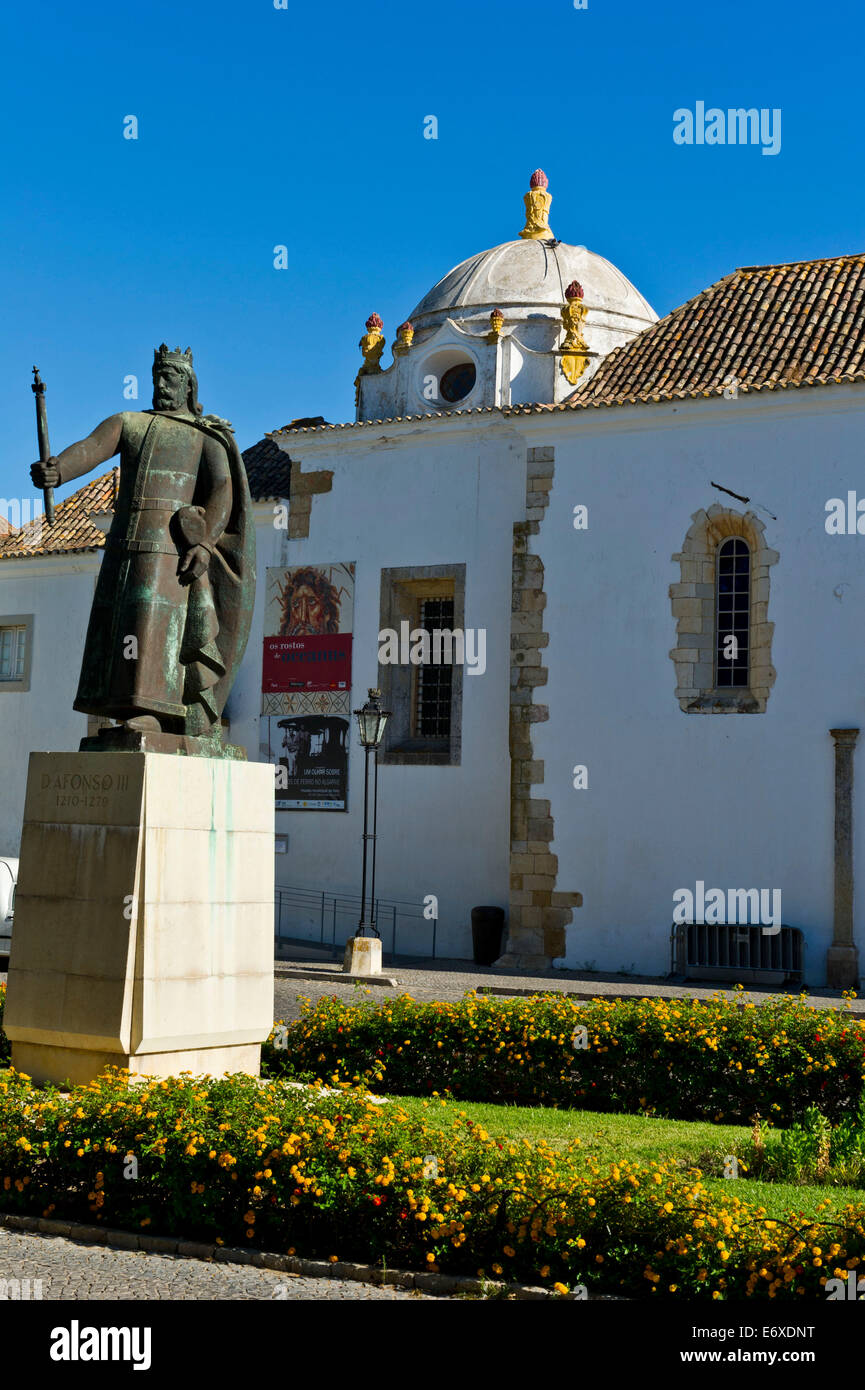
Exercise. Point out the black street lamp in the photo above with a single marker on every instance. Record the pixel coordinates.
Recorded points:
(371, 721)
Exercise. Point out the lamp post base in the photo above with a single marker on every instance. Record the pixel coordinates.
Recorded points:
(362, 956)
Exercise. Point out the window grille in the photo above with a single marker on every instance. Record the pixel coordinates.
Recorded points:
(434, 683)
(733, 613)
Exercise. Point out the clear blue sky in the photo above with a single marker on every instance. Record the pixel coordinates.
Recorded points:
(304, 126)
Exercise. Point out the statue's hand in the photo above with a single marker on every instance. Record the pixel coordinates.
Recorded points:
(194, 563)
(45, 474)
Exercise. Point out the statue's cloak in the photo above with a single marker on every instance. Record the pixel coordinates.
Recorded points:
(219, 610)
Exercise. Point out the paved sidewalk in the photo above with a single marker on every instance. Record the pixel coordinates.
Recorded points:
(449, 980)
(71, 1272)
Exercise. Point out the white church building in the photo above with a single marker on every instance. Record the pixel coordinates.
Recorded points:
(648, 532)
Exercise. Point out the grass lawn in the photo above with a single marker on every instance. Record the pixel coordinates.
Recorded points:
(689, 1144)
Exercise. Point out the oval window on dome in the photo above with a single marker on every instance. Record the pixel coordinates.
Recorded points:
(457, 381)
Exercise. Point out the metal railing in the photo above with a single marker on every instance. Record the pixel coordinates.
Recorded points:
(312, 917)
(731, 952)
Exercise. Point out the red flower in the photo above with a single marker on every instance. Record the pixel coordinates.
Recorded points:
(376, 1201)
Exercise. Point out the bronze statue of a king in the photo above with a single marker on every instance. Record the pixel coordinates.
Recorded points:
(173, 602)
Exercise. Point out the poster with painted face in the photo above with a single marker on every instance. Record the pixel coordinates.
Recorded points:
(309, 755)
(308, 629)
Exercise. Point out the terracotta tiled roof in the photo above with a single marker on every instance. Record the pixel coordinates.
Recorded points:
(801, 324)
(268, 469)
(72, 530)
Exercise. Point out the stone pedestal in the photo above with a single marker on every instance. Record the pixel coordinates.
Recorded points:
(362, 956)
(143, 933)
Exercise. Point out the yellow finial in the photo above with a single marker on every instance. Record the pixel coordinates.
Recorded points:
(497, 323)
(574, 346)
(372, 347)
(404, 337)
(537, 202)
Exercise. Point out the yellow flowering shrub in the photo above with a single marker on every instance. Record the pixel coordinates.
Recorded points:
(686, 1059)
(280, 1168)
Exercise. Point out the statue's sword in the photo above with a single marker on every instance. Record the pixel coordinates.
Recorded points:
(38, 389)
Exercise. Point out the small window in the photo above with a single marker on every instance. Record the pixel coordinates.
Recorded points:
(458, 381)
(13, 653)
(434, 683)
(733, 613)
(425, 699)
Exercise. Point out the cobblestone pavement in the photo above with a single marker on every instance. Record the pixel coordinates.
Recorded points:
(449, 981)
(71, 1271)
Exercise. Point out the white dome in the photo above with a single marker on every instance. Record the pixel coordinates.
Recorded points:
(455, 356)
(527, 279)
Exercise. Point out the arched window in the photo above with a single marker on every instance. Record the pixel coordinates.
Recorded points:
(723, 652)
(733, 613)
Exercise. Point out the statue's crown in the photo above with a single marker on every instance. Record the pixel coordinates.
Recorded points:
(164, 354)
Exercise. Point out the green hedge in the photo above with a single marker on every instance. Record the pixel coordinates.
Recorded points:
(678, 1058)
(338, 1176)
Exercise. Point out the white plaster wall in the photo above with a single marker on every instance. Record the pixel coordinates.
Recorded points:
(735, 800)
(58, 592)
(429, 497)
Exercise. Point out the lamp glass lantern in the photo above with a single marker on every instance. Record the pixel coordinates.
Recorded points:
(371, 721)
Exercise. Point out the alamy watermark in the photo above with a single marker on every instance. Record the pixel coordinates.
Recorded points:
(739, 126)
(20, 1289)
(420, 646)
(24, 511)
(716, 907)
(77, 1343)
(845, 518)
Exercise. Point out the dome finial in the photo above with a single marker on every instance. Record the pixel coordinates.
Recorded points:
(537, 202)
(497, 323)
(372, 347)
(574, 348)
(404, 336)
